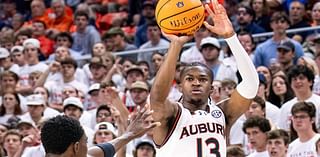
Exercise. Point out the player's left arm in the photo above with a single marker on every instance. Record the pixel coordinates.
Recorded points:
(247, 89)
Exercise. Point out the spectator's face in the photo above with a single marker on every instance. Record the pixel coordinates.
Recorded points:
(254, 110)
(18, 58)
(58, 9)
(316, 12)
(139, 96)
(302, 122)
(37, 8)
(6, 62)
(81, 22)
(145, 70)
(21, 39)
(17, 21)
(279, 86)
(300, 84)
(61, 53)
(256, 137)
(73, 112)
(157, 60)
(8, 81)
(98, 72)
(38, 29)
(7, 45)
(36, 111)
(276, 147)
(257, 5)
(210, 52)
(103, 136)
(9, 101)
(145, 151)
(227, 90)
(3, 130)
(69, 92)
(12, 143)
(98, 49)
(33, 79)
(26, 129)
(148, 12)
(134, 76)
(68, 70)
(279, 26)
(285, 56)
(265, 71)
(153, 33)
(31, 53)
(243, 17)
(104, 116)
(41, 91)
(246, 42)
(126, 65)
(296, 11)
(63, 41)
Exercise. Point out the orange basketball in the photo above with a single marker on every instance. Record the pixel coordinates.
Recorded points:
(180, 17)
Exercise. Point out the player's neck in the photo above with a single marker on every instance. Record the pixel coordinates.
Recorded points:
(194, 107)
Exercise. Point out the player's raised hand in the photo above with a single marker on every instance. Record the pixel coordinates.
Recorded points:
(179, 39)
(137, 125)
(221, 23)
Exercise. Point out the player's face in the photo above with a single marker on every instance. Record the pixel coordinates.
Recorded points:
(196, 85)
(276, 147)
(256, 137)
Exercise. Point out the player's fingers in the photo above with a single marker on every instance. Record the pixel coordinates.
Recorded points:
(215, 7)
(211, 13)
(153, 125)
(147, 114)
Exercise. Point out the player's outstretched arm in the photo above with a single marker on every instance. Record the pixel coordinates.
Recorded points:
(163, 108)
(247, 89)
(135, 129)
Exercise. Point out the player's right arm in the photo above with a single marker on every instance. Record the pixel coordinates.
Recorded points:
(165, 110)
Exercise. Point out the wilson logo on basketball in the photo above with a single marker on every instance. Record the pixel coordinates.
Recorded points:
(185, 20)
(180, 4)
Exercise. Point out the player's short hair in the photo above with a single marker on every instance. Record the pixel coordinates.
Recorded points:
(194, 64)
(279, 133)
(58, 133)
(259, 122)
(307, 107)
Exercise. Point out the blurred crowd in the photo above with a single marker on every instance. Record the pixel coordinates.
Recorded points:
(43, 73)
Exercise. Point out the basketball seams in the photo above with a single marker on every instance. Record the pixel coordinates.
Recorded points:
(158, 11)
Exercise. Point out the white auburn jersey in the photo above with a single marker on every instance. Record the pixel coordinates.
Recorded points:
(201, 134)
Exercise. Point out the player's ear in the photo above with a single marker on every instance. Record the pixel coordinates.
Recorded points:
(76, 147)
(211, 89)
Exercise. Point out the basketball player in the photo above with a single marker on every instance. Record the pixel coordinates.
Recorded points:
(196, 127)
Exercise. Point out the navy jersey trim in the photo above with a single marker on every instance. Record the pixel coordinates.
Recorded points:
(171, 130)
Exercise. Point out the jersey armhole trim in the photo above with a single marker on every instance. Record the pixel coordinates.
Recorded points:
(171, 130)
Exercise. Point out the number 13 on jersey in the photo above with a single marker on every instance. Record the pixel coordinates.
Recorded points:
(209, 146)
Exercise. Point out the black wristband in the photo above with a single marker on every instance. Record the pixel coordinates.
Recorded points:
(107, 148)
